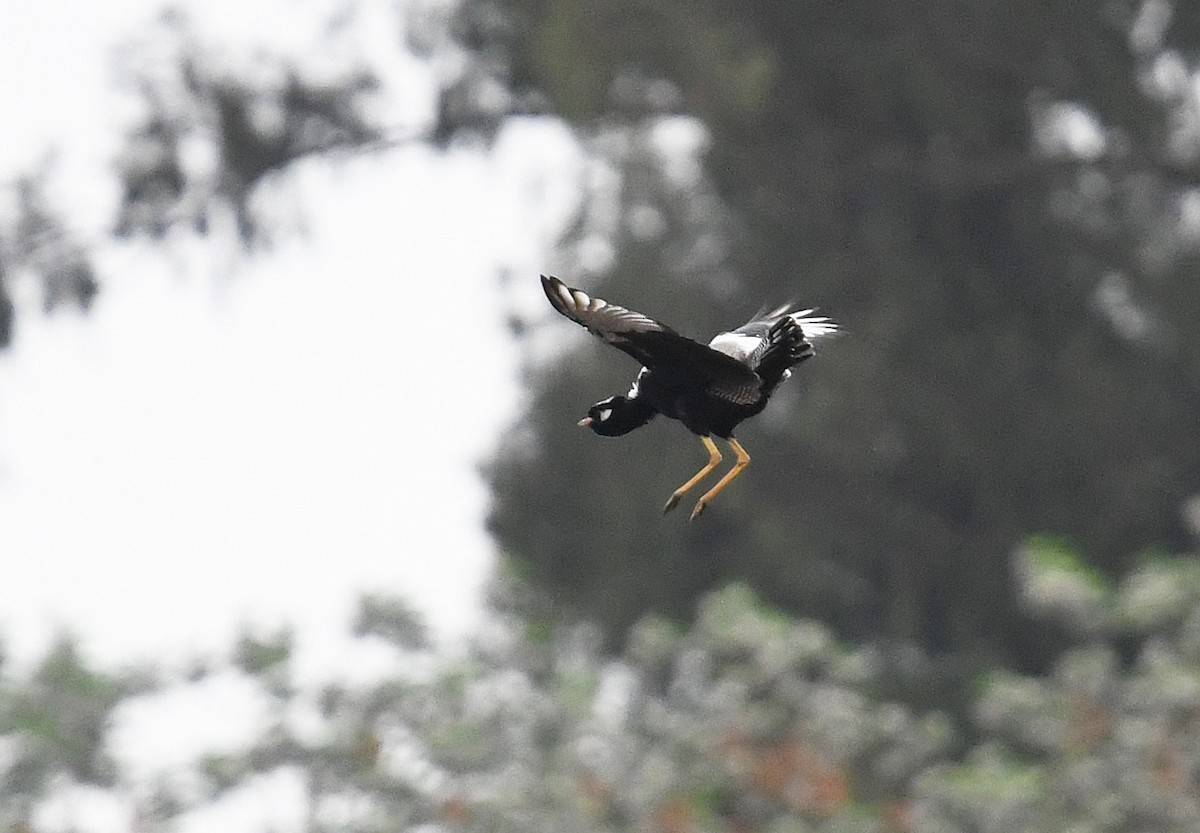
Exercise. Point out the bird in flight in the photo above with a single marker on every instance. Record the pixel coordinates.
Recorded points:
(709, 388)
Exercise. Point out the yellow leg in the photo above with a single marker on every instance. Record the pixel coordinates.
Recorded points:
(743, 459)
(714, 457)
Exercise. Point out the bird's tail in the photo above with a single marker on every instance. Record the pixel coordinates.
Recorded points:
(790, 341)
(813, 326)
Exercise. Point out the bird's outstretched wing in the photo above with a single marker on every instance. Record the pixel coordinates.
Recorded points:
(620, 327)
(654, 344)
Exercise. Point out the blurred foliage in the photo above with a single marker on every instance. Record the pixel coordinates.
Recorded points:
(38, 249)
(214, 126)
(392, 620)
(53, 728)
(747, 721)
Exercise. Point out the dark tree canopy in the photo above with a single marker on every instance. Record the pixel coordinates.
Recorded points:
(992, 198)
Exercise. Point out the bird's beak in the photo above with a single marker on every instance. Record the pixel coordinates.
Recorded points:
(585, 422)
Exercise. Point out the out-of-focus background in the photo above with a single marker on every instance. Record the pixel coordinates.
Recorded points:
(297, 530)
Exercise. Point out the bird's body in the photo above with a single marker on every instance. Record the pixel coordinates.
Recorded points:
(677, 397)
(709, 388)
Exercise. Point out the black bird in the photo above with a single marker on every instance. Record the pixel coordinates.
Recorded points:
(709, 388)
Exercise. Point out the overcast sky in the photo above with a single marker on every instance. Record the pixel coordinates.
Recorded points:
(228, 441)
(258, 439)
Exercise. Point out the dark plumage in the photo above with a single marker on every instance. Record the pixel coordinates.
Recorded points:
(709, 388)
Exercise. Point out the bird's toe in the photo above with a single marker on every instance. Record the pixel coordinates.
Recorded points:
(700, 507)
(672, 502)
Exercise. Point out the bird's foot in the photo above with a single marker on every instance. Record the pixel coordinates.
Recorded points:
(672, 502)
(701, 505)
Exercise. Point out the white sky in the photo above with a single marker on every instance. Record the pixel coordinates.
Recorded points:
(256, 441)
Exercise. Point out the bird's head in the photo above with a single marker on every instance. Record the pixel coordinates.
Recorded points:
(617, 415)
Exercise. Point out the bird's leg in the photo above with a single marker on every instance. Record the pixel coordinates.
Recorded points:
(714, 457)
(743, 459)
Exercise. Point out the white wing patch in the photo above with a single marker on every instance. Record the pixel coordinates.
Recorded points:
(635, 388)
(738, 345)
